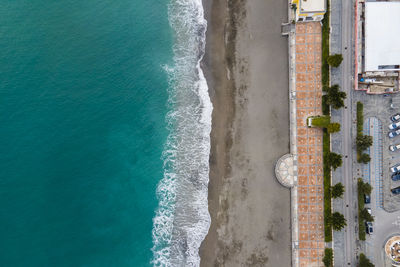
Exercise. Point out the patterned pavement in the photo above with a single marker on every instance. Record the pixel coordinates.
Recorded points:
(309, 145)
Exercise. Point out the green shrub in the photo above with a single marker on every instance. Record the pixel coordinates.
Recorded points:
(363, 142)
(335, 60)
(364, 158)
(364, 261)
(333, 127)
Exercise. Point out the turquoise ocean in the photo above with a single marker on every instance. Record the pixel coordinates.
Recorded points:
(104, 133)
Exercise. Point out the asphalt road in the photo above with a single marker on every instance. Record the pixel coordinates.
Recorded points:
(347, 86)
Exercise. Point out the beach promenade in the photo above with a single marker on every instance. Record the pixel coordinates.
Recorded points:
(306, 146)
(310, 199)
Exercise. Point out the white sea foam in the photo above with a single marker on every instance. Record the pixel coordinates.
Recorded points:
(182, 219)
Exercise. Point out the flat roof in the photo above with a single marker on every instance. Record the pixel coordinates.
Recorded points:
(312, 5)
(382, 36)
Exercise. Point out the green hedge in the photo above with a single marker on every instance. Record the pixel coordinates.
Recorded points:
(325, 47)
(327, 187)
(328, 257)
(325, 106)
(360, 118)
(326, 136)
(361, 223)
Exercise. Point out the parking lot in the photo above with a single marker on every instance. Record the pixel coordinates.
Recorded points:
(379, 108)
(384, 205)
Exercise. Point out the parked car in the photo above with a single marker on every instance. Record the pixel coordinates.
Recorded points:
(394, 133)
(367, 199)
(396, 190)
(369, 211)
(395, 168)
(368, 228)
(396, 176)
(395, 125)
(394, 147)
(395, 117)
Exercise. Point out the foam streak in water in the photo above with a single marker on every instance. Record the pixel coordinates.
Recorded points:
(182, 219)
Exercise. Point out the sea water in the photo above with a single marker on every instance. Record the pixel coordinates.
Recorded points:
(104, 133)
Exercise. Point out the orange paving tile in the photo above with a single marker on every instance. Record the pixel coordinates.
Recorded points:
(309, 142)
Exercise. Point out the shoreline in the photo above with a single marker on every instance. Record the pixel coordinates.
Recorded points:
(249, 209)
(214, 65)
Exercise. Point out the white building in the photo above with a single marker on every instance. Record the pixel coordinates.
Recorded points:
(382, 36)
(309, 10)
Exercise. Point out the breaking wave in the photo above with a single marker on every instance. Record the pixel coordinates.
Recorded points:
(182, 219)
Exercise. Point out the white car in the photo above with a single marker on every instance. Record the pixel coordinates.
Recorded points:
(395, 168)
(394, 147)
(394, 133)
(395, 117)
(395, 125)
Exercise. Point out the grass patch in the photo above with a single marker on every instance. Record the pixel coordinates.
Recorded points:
(321, 121)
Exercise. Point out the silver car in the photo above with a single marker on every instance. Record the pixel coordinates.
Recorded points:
(394, 147)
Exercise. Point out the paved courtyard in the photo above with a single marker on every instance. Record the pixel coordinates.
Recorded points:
(309, 145)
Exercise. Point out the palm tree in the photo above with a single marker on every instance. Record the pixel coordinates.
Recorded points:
(338, 221)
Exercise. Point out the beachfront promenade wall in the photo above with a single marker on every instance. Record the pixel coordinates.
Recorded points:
(306, 172)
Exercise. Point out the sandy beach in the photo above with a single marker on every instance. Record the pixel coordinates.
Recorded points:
(246, 66)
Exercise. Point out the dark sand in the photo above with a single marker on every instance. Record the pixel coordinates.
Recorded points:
(246, 66)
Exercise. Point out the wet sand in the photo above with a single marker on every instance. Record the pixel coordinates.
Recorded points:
(246, 66)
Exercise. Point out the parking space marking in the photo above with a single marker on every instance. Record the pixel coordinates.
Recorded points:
(373, 127)
(397, 222)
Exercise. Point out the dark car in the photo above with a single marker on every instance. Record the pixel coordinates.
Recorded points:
(394, 133)
(396, 176)
(368, 227)
(367, 199)
(396, 190)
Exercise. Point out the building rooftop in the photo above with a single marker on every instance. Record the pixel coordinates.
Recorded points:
(382, 36)
(312, 5)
